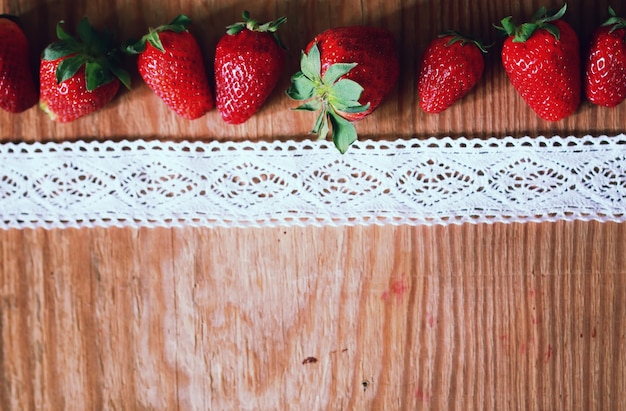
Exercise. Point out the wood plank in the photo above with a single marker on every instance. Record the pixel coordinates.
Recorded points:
(494, 317)
(474, 317)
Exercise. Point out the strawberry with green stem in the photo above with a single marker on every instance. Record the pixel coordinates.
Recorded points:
(79, 76)
(451, 66)
(18, 90)
(542, 61)
(170, 62)
(345, 74)
(249, 61)
(605, 70)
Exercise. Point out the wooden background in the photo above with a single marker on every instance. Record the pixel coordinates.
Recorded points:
(520, 316)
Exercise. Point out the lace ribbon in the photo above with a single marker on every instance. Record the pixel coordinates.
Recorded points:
(260, 184)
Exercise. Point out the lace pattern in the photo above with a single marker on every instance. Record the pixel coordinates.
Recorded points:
(259, 184)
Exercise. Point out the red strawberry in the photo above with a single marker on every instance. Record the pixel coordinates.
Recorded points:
(170, 62)
(18, 90)
(451, 67)
(542, 61)
(347, 72)
(79, 76)
(605, 72)
(249, 61)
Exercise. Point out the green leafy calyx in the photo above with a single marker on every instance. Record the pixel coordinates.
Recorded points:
(94, 50)
(330, 94)
(614, 21)
(249, 24)
(457, 37)
(541, 20)
(178, 25)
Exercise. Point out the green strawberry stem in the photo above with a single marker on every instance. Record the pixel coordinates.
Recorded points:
(249, 24)
(615, 21)
(330, 95)
(93, 49)
(458, 37)
(541, 20)
(178, 25)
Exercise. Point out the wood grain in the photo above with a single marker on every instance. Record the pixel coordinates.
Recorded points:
(484, 317)
(470, 317)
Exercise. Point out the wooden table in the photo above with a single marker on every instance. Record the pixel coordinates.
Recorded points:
(519, 316)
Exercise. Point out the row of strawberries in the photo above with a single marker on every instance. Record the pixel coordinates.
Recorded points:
(345, 72)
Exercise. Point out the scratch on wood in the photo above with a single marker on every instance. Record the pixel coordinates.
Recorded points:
(548, 353)
(309, 360)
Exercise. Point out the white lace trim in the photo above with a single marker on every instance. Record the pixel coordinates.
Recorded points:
(260, 184)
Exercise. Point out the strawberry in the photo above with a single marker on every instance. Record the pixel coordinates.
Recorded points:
(451, 67)
(170, 62)
(542, 61)
(346, 73)
(79, 76)
(249, 61)
(18, 90)
(605, 71)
